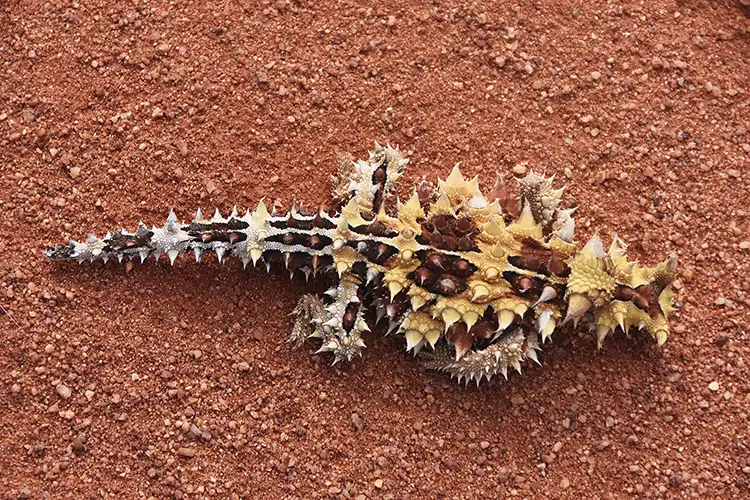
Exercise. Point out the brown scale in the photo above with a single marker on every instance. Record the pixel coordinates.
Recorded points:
(526, 286)
(447, 284)
(484, 328)
(323, 223)
(461, 268)
(299, 224)
(426, 193)
(227, 232)
(293, 223)
(424, 277)
(320, 262)
(644, 298)
(224, 236)
(314, 241)
(374, 251)
(486, 325)
(458, 333)
(119, 242)
(359, 268)
(236, 224)
(298, 260)
(273, 257)
(377, 228)
(379, 177)
(393, 309)
(508, 201)
(448, 233)
(317, 242)
(535, 257)
(443, 274)
(350, 316)
(294, 239)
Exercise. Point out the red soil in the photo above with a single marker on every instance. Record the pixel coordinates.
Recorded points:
(180, 384)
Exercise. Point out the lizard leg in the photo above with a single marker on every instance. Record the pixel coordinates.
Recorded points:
(509, 351)
(368, 184)
(309, 316)
(542, 200)
(339, 325)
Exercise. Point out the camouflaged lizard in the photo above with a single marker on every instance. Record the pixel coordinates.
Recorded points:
(475, 282)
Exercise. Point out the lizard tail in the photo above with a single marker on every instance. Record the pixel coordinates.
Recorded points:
(299, 240)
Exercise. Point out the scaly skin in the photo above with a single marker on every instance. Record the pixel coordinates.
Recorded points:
(477, 281)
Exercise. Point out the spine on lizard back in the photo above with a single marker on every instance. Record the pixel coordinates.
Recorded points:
(301, 241)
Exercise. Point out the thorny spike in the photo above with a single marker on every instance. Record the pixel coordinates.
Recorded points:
(548, 293)
(577, 306)
(454, 270)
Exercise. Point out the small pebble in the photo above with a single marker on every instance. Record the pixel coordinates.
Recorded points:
(63, 391)
(186, 452)
(182, 147)
(721, 339)
(77, 446)
(517, 399)
(358, 422)
(713, 386)
(602, 445)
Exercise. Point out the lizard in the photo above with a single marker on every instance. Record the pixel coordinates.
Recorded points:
(474, 282)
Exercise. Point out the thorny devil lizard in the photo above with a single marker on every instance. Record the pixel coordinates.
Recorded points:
(483, 280)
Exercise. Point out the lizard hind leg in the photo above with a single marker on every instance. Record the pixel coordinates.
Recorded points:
(309, 316)
(365, 185)
(339, 324)
(539, 196)
(508, 352)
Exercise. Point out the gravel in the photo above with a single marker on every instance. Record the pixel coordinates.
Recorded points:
(664, 173)
(63, 391)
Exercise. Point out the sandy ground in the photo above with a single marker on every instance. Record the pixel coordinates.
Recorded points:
(176, 382)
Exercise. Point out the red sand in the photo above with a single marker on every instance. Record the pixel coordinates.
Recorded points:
(179, 381)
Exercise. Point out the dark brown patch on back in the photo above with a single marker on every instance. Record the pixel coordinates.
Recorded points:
(535, 257)
(449, 233)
